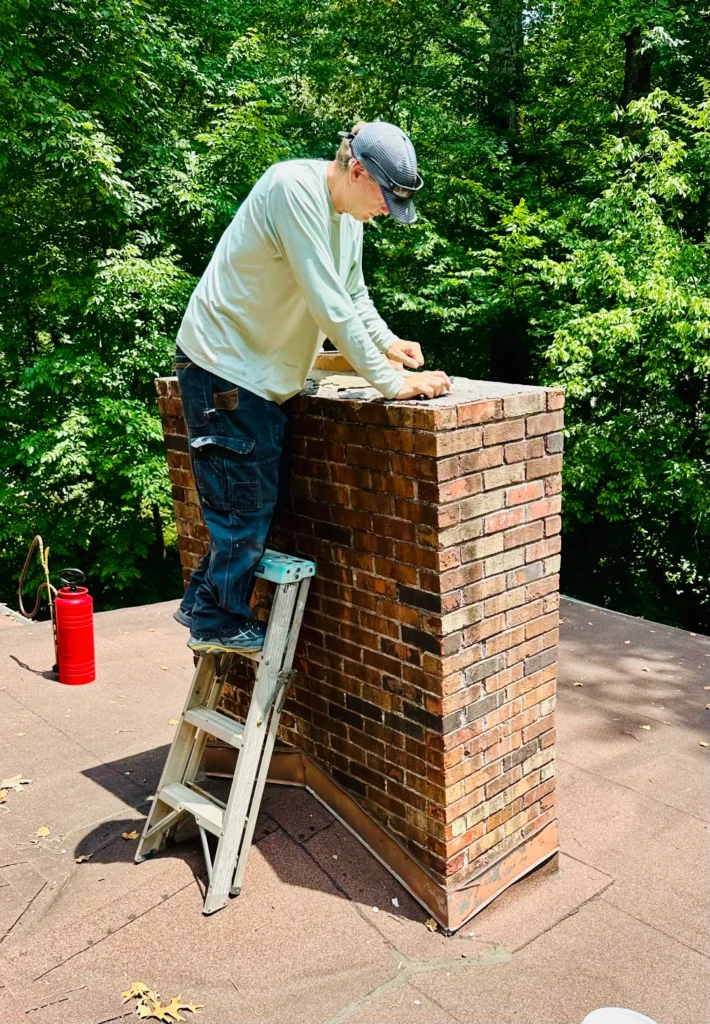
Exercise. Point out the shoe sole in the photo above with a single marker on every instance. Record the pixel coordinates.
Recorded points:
(182, 618)
(208, 646)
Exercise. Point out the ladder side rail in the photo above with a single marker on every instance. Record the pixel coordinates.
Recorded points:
(277, 707)
(255, 732)
(270, 741)
(303, 588)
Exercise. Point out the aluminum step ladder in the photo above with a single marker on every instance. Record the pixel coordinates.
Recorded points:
(178, 795)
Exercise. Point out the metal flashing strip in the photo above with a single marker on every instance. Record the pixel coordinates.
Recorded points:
(451, 908)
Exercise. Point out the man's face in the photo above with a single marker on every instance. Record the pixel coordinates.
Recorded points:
(365, 200)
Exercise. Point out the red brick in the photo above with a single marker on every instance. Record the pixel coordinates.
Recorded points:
(524, 403)
(535, 729)
(462, 487)
(449, 443)
(480, 412)
(523, 614)
(542, 509)
(423, 468)
(547, 466)
(525, 492)
(370, 502)
(524, 535)
(553, 525)
(486, 458)
(551, 603)
(547, 739)
(502, 476)
(545, 548)
(524, 450)
(504, 520)
(507, 430)
(555, 398)
(542, 587)
(546, 423)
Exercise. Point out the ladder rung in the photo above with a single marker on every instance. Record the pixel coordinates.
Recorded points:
(254, 656)
(205, 813)
(251, 655)
(218, 725)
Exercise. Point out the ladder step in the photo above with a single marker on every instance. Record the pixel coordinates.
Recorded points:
(206, 813)
(218, 725)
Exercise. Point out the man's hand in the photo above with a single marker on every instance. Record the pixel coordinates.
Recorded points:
(407, 352)
(430, 383)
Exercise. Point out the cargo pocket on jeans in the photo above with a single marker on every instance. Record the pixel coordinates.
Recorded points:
(227, 478)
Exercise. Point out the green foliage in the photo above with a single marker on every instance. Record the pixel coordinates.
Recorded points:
(570, 247)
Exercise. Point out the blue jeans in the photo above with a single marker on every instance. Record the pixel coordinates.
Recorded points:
(241, 464)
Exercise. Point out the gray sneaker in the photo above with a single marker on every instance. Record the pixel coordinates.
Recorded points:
(183, 617)
(249, 637)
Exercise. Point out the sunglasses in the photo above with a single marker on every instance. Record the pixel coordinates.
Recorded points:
(401, 191)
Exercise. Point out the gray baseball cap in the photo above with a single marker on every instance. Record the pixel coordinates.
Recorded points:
(387, 154)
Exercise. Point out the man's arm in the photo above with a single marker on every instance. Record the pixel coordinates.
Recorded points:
(303, 242)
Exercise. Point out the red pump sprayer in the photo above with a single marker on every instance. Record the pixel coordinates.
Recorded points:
(71, 610)
(74, 624)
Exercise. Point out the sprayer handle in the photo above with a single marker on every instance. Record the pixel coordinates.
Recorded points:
(72, 577)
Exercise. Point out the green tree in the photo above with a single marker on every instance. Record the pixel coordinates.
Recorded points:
(562, 238)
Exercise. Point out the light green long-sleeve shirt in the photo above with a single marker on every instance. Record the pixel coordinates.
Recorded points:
(286, 274)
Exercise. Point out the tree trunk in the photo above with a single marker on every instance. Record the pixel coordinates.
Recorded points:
(505, 64)
(637, 70)
(159, 538)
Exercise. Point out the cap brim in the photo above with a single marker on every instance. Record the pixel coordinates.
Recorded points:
(402, 210)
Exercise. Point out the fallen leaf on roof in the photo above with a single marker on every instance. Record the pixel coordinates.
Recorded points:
(152, 629)
(577, 684)
(129, 835)
(41, 833)
(171, 1009)
(627, 641)
(164, 668)
(431, 924)
(16, 783)
(149, 1005)
(704, 744)
(3, 795)
(21, 734)
(645, 727)
(82, 858)
(173, 721)
(135, 991)
(706, 687)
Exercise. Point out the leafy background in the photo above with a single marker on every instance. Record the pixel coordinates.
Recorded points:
(563, 239)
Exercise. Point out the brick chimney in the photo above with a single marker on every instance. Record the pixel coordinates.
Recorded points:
(423, 708)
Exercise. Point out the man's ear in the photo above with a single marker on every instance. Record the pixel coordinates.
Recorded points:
(356, 170)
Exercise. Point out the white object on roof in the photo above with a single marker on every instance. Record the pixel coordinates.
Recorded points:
(616, 1015)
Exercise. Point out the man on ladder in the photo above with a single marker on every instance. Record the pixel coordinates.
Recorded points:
(286, 273)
